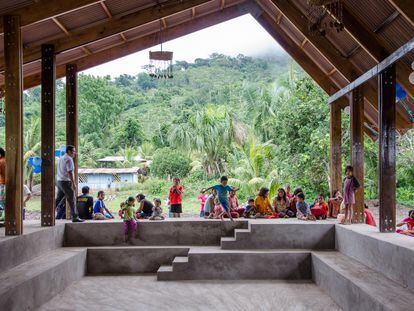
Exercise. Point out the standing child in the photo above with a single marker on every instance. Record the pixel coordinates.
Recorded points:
(351, 185)
(127, 211)
(223, 190)
(176, 198)
(202, 198)
(157, 210)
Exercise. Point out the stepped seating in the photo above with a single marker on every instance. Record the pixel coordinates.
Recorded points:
(213, 263)
(354, 286)
(32, 283)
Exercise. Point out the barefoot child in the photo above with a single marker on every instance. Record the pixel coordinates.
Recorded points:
(127, 211)
(351, 185)
(303, 210)
(223, 190)
(157, 210)
(176, 198)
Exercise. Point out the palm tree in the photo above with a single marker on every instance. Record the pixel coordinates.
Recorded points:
(209, 132)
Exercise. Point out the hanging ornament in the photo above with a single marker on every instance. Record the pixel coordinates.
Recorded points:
(324, 16)
(160, 66)
(412, 66)
(411, 78)
(2, 101)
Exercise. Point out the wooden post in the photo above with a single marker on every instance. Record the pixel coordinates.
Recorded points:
(387, 148)
(72, 111)
(357, 149)
(14, 124)
(336, 146)
(48, 135)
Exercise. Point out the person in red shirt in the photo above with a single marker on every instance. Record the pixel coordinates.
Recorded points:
(407, 225)
(176, 198)
(320, 209)
(369, 217)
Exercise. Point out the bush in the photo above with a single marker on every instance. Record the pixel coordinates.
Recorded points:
(170, 163)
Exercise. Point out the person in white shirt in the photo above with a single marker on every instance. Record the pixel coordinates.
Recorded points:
(27, 196)
(66, 182)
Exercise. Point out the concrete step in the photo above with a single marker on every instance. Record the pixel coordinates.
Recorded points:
(180, 260)
(213, 263)
(31, 284)
(132, 259)
(165, 269)
(354, 286)
(284, 234)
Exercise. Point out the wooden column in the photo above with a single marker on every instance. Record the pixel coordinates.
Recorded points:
(336, 146)
(387, 148)
(72, 111)
(14, 124)
(48, 135)
(357, 149)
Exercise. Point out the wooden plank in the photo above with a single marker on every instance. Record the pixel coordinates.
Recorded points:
(406, 8)
(357, 149)
(14, 124)
(336, 148)
(48, 108)
(109, 28)
(374, 71)
(387, 149)
(142, 43)
(43, 9)
(72, 135)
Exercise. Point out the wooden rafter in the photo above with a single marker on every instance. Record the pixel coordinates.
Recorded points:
(67, 33)
(406, 8)
(386, 22)
(109, 28)
(141, 43)
(43, 9)
(193, 12)
(164, 23)
(106, 9)
(326, 48)
(222, 4)
(123, 37)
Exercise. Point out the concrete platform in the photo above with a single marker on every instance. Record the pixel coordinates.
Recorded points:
(169, 232)
(34, 282)
(355, 287)
(145, 293)
(213, 263)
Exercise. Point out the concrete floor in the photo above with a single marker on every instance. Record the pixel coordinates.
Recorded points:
(143, 292)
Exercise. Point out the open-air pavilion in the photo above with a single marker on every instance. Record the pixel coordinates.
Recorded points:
(359, 66)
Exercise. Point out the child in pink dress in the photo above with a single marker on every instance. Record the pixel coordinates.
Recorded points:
(351, 185)
(407, 224)
(202, 198)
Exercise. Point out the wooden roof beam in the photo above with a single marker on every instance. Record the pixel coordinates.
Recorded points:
(106, 9)
(374, 45)
(143, 43)
(326, 48)
(109, 28)
(406, 8)
(388, 21)
(44, 9)
(66, 31)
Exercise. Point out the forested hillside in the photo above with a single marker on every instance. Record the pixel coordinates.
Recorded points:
(260, 121)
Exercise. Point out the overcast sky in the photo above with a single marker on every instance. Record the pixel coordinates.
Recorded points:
(242, 35)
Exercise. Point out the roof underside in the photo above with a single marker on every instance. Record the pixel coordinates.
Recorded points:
(90, 33)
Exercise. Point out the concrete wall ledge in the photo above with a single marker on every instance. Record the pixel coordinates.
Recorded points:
(33, 283)
(388, 253)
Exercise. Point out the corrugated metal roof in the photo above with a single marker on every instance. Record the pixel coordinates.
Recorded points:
(83, 17)
(94, 171)
(11, 5)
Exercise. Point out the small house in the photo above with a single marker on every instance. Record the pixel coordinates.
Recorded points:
(107, 178)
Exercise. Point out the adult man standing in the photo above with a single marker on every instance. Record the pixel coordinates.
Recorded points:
(66, 182)
(2, 183)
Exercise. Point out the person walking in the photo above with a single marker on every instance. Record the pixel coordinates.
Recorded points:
(66, 182)
(2, 183)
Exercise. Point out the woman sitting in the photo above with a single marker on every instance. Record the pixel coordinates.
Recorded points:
(262, 204)
(334, 204)
(407, 225)
(145, 207)
(320, 209)
(281, 204)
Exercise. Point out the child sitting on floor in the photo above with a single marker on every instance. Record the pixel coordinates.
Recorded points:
(202, 198)
(320, 209)
(262, 204)
(127, 213)
(157, 211)
(334, 204)
(303, 210)
(369, 217)
(407, 225)
(249, 209)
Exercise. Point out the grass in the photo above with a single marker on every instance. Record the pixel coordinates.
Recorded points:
(113, 199)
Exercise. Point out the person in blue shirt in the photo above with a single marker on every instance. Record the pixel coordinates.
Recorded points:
(100, 212)
(223, 190)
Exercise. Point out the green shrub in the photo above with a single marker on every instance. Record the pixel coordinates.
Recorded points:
(170, 163)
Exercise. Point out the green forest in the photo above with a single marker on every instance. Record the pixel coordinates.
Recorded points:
(261, 121)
